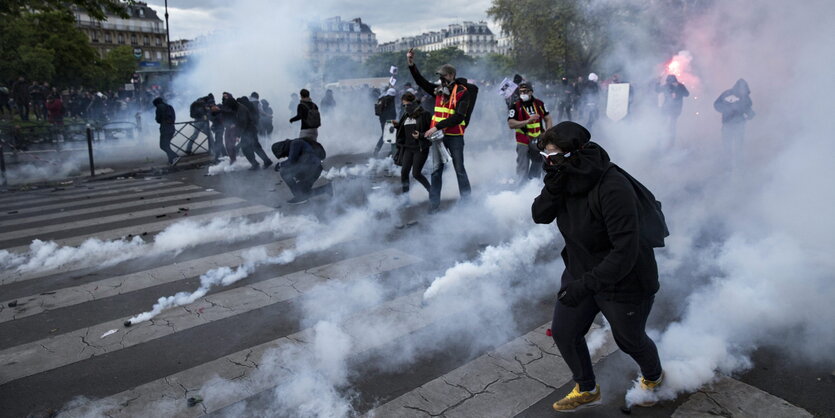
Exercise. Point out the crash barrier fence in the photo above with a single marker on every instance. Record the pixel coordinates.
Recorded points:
(18, 140)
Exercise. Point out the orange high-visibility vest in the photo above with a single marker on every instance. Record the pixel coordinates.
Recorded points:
(531, 130)
(445, 109)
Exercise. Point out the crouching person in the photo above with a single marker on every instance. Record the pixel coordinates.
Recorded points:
(302, 167)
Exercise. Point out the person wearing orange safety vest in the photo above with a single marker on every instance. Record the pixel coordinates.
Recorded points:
(452, 100)
(529, 117)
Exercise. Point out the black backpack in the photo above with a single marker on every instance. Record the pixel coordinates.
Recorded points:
(378, 107)
(313, 120)
(653, 225)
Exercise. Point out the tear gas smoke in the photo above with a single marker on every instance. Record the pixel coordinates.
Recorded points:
(226, 166)
(374, 167)
(313, 236)
(43, 171)
(43, 256)
(519, 252)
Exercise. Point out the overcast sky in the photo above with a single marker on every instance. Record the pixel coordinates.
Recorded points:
(390, 20)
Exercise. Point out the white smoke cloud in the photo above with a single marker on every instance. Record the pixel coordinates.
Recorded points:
(226, 166)
(44, 256)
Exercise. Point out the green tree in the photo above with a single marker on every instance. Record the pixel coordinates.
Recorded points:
(119, 65)
(34, 33)
(492, 67)
(36, 62)
(95, 8)
(552, 38)
(378, 65)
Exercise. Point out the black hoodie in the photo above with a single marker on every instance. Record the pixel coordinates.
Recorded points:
(228, 110)
(246, 119)
(735, 104)
(607, 255)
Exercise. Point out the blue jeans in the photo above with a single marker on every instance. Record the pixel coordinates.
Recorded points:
(455, 145)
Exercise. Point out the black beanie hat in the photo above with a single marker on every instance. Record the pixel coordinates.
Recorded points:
(568, 136)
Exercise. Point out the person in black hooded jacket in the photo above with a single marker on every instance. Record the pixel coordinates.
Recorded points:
(608, 268)
(412, 147)
(247, 121)
(229, 115)
(165, 117)
(736, 108)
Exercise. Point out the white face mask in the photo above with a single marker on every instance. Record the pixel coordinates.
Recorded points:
(525, 97)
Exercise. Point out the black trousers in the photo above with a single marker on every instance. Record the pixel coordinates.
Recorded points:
(166, 133)
(413, 161)
(628, 322)
(250, 147)
(300, 178)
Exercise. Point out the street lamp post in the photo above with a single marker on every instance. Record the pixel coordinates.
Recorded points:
(167, 37)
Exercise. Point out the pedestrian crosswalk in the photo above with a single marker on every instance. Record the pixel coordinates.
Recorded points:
(290, 331)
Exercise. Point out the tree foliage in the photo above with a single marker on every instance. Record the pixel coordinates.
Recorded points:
(552, 38)
(378, 65)
(95, 8)
(49, 47)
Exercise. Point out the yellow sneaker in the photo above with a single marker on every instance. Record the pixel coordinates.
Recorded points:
(578, 400)
(650, 385)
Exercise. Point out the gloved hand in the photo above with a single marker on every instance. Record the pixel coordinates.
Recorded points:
(573, 293)
(277, 166)
(554, 179)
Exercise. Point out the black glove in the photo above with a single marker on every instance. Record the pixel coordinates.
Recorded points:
(573, 293)
(554, 177)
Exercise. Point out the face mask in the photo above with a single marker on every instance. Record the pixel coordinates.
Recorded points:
(442, 90)
(525, 97)
(411, 107)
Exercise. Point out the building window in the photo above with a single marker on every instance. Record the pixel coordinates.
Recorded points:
(108, 38)
(94, 35)
(146, 41)
(147, 55)
(159, 55)
(159, 41)
(121, 39)
(133, 39)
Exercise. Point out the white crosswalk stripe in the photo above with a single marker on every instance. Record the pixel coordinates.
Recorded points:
(44, 231)
(185, 192)
(54, 352)
(151, 228)
(64, 198)
(168, 394)
(75, 189)
(114, 286)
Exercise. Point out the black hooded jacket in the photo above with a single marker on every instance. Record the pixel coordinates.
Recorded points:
(165, 115)
(423, 120)
(228, 111)
(246, 117)
(606, 254)
(735, 104)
